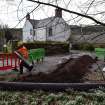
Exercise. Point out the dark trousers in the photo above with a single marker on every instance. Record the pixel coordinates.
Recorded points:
(23, 64)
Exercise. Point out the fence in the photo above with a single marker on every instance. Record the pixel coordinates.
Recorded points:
(8, 61)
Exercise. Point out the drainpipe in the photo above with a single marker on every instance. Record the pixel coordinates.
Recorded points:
(46, 33)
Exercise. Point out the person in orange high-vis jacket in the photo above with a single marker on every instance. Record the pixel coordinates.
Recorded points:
(24, 52)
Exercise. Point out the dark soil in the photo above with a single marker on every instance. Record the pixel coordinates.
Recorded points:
(73, 70)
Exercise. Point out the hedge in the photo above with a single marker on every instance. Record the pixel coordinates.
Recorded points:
(83, 46)
(50, 47)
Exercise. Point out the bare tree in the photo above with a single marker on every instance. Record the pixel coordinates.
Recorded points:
(2, 35)
(86, 6)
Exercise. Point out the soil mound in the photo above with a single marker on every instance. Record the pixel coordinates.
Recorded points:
(73, 70)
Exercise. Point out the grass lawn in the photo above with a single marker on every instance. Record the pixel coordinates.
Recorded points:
(93, 97)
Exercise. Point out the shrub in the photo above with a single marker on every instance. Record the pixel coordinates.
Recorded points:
(83, 46)
(50, 47)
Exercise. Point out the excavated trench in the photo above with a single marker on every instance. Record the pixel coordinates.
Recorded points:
(72, 70)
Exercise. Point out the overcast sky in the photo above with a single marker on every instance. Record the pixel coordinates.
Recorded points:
(11, 11)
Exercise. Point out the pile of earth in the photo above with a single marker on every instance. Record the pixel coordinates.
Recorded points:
(72, 70)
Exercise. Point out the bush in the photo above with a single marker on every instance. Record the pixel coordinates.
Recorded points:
(83, 46)
(50, 47)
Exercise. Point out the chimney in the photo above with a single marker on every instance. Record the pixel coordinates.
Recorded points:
(28, 16)
(58, 12)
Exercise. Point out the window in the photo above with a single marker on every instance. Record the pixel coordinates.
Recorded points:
(31, 32)
(50, 32)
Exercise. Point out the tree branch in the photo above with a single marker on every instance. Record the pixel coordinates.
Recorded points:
(66, 10)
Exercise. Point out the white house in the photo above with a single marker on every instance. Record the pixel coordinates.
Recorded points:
(53, 28)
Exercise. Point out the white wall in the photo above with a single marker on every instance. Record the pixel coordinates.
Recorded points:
(61, 36)
(61, 31)
(26, 31)
(40, 34)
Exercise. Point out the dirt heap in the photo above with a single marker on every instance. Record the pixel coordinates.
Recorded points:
(73, 70)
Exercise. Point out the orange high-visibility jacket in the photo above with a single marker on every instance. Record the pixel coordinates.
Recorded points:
(23, 50)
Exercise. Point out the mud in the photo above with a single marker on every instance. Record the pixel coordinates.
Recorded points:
(72, 70)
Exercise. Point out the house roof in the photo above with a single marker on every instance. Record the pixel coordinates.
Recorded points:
(33, 22)
(92, 38)
(77, 30)
(91, 34)
(47, 22)
(42, 22)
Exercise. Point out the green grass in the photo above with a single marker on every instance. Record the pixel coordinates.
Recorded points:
(96, 97)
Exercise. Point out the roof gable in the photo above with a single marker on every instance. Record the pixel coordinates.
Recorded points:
(33, 22)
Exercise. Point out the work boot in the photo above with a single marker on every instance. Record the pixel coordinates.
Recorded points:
(21, 72)
(31, 67)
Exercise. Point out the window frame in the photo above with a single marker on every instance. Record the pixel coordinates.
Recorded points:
(50, 31)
